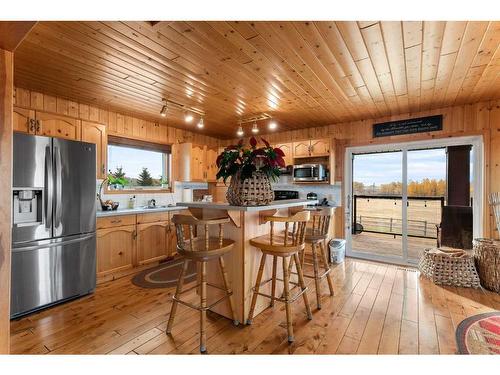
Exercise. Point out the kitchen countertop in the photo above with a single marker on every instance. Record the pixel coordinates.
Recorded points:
(138, 210)
(226, 206)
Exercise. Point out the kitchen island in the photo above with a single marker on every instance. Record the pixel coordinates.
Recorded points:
(242, 263)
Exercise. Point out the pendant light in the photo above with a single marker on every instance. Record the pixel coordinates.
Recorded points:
(200, 124)
(273, 125)
(164, 109)
(255, 129)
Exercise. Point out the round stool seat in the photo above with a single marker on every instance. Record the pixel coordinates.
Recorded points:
(200, 250)
(278, 247)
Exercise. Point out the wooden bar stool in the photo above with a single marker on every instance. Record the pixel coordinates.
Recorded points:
(316, 236)
(286, 244)
(201, 249)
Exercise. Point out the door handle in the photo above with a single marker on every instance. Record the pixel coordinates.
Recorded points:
(49, 188)
(58, 172)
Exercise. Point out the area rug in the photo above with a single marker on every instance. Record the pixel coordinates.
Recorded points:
(164, 275)
(479, 334)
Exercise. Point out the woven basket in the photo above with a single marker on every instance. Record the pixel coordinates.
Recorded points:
(487, 256)
(254, 191)
(449, 267)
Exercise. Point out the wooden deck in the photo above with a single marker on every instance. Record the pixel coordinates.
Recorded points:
(377, 308)
(388, 245)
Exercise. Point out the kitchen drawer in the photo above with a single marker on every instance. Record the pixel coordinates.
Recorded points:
(115, 221)
(152, 217)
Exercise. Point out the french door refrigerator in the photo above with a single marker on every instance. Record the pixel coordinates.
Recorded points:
(53, 233)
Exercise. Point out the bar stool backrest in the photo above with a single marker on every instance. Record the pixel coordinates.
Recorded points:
(320, 221)
(295, 228)
(186, 229)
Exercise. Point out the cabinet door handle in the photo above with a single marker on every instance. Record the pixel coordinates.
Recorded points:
(103, 169)
(120, 253)
(116, 221)
(37, 126)
(32, 124)
(134, 234)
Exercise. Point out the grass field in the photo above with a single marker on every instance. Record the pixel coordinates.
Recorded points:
(384, 215)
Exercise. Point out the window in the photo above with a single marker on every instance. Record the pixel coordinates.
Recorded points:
(135, 165)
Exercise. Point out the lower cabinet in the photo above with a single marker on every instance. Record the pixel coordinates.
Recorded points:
(130, 241)
(115, 249)
(152, 242)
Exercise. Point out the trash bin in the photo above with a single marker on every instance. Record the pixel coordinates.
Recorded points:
(337, 250)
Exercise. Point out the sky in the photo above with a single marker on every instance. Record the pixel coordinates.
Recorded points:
(133, 160)
(386, 167)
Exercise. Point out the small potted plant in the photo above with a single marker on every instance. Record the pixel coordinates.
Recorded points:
(164, 182)
(116, 183)
(251, 171)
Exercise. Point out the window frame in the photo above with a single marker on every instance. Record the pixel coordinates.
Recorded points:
(166, 149)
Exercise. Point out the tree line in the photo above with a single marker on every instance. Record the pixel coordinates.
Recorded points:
(426, 187)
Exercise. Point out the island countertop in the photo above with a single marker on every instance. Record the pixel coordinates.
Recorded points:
(274, 205)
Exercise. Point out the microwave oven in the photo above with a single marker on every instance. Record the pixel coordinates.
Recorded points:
(309, 173)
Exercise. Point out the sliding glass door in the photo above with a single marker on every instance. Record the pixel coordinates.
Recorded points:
(398, 201)
(377, 204)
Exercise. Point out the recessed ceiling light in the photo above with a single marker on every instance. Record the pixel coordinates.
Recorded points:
(273, 125)
(188, 117)
(255, 129)
(200, 124)
(240, 132)
(164, 109)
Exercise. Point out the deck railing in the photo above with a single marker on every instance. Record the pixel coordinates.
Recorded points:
(378, 222)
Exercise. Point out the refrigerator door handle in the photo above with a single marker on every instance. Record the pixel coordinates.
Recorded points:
(46, 244)
(58, 187)
(49, 188)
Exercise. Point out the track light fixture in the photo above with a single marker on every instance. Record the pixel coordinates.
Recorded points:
(240, 132)
(164, 109)
(188, 117)
(255, 129)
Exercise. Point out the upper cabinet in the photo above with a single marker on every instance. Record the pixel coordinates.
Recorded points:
(24, 120)
(211, 163)
(196, 162)
(58, 126)
(287, 149)
(48, 124)
(312, 148)
(96, 133)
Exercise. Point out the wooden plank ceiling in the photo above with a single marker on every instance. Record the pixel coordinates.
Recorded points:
(302, 73)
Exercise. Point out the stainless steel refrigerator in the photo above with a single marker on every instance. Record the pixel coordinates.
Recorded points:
(53, 215)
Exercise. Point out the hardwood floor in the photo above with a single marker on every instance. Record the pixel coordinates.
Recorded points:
(377, 308)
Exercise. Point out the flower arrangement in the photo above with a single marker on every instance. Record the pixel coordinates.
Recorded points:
(241, 161)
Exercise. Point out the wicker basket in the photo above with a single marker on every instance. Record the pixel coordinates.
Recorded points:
(449, 267)
(254, 191)
(487, 256)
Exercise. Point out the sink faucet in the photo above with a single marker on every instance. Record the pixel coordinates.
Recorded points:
(152, 203)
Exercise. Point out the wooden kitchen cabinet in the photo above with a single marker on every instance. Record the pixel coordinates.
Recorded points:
(311, 148)
(195, 162)
(96, 133)
(152, 242)
(301, 149)
(287, 148)
(23, 120)
(211, 163)
(53, 125)
(115, 249)
(320, 147)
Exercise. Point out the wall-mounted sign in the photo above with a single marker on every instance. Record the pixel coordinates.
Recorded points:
(410, 126)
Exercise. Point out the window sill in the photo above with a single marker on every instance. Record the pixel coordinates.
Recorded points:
(138, 191)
